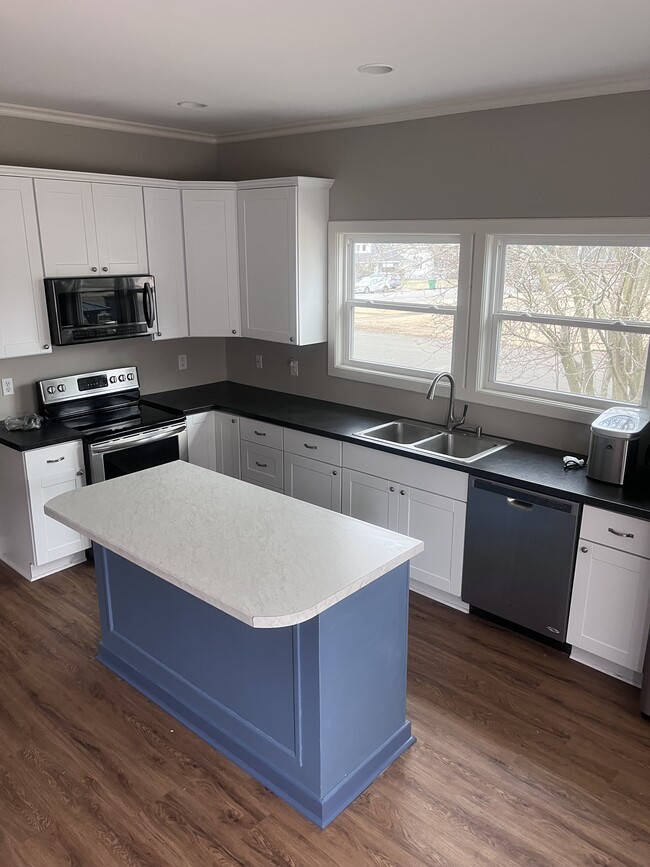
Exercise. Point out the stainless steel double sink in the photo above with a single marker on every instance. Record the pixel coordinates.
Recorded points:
(429, 439)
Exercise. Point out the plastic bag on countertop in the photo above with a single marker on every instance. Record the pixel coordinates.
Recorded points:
(31, 421)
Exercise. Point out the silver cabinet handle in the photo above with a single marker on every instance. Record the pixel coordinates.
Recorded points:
(233, 420)
(259, 433)
(104, 268)
(80, 472)
(258, 464)
(584, 550)
(402, 492)
(618, 533)
(334, 473)
(392, 489)
(46, 346)
(158, 333)
(307, 446)
(234, 331)
(54, 460)
(93, 268)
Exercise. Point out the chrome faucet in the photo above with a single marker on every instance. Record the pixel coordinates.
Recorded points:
(452, 421)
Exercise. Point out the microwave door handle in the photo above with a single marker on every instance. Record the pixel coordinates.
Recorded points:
(147, 303)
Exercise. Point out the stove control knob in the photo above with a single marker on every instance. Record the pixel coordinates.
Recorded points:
(112, 379)
(121, 377)
(51, 389)
(130, 376)
(60, 387)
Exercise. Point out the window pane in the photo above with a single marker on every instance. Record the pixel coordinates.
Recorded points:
(413, 273)
(394, 338)
(602, 364)
(593, 282)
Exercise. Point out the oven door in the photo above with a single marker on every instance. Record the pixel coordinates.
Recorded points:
(130, 453)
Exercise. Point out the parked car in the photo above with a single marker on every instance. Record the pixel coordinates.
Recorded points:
(380, 282)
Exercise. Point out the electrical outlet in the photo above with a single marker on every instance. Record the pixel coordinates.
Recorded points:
(293, 366)
(258, 362)
(7, 387)
(182, 362)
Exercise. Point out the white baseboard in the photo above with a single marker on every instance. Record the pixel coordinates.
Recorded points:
(35, 573)
(607, 667)
(439, 596)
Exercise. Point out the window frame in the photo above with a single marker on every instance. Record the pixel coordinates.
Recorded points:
(474, 325)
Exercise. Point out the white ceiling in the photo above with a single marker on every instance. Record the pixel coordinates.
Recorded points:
(262, 65)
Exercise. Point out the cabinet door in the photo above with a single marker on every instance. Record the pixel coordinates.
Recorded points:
(164, 223)
(201, 441)
(440, 523)
(268, 263)
(210, 223)
(67, 226)
(121, 237)
(313, 481)
(52, 471)
(609, 613)
(370, 499)
(227, 444)
(23, 316)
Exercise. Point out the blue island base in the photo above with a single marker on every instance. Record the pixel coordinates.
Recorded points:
(315, 712)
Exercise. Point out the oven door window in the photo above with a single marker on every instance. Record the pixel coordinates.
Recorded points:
(140, 457)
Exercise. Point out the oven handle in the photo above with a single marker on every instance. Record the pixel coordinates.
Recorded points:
(147, 303)
(126, 442)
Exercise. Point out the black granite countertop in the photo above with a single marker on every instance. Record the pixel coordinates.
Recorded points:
(522, 465)
(50, 433)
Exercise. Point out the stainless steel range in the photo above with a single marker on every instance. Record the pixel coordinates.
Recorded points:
(120, 434)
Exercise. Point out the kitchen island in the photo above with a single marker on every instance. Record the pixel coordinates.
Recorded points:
(274, 629)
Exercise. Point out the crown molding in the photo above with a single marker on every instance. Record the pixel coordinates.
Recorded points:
(95, 122)
(510, 100)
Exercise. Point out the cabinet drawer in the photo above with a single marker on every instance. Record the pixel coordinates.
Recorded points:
(262, 464)
(616, 531)
(312, 446)
(269, 435)
(53, 460)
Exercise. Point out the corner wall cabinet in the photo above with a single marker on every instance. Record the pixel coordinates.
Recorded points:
(91, 228)
(283, 260)
(30, 542)
(164, 223)
(610, 605)
(210, 222)
(23, 314)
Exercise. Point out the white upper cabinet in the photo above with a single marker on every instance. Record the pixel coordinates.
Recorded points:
(164, 223)
(283, 261)
(91, 228)
(23, 316)
(209, 218)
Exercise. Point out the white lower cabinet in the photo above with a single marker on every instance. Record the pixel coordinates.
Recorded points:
(213, 442)
(610, 604)
(313, 481)
(30, 542)
(432, 509)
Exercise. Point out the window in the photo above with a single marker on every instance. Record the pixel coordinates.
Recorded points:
(398, 302)
(546, 316)
(570, 318)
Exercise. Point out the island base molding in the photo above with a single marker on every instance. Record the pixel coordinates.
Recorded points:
(315, 711)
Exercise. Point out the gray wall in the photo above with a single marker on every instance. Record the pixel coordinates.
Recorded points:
(58, 146)
(586, 157)
(47, 145)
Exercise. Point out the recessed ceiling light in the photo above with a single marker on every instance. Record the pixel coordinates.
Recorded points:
(375, 68)
(192, 104)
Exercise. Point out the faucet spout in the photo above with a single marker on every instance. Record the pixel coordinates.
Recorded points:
(452, 421)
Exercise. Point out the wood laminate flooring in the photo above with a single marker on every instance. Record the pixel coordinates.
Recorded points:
(523, 758)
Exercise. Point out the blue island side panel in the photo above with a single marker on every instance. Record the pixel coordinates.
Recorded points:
(314, 711)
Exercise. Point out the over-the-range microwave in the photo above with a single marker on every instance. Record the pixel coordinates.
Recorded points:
(88, 309)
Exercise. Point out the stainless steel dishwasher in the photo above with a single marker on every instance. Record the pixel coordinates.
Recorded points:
(520, 550)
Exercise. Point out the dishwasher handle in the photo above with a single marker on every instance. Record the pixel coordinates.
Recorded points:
(518, 504)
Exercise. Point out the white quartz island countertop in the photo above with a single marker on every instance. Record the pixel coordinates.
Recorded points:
(264, 558)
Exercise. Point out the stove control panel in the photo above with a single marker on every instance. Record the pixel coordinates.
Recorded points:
(84, 385)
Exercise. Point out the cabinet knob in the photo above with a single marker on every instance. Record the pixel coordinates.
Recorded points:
(234, 331)
(104, 268)
(392, 489)
(80, 472)
(46, 346)
(158, 333)
(93, 268)
(233, 420)
(291, 339)
(402, 492)
(584, 550)
(334, 473)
